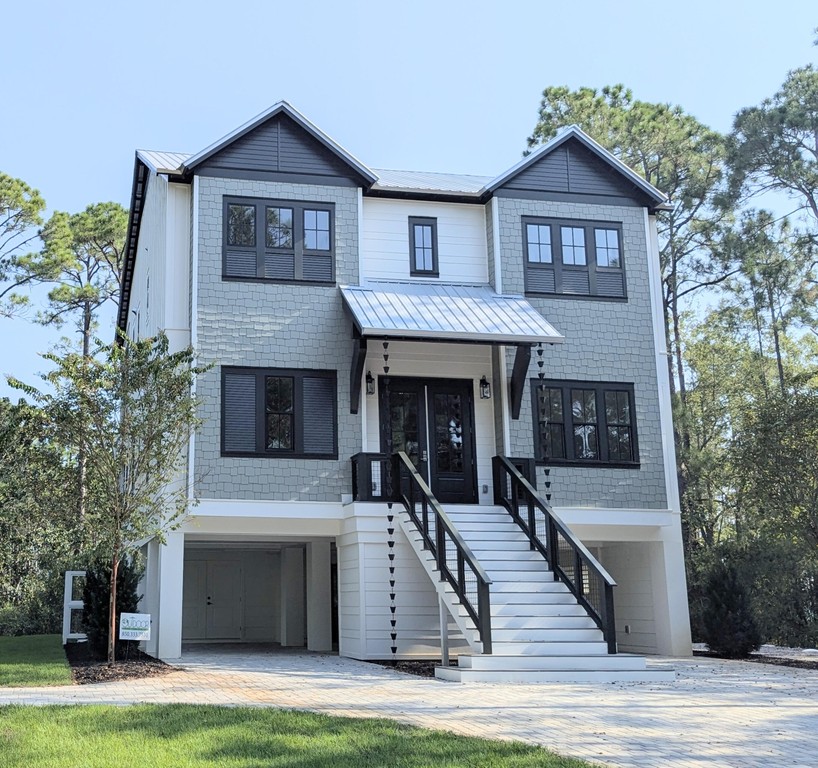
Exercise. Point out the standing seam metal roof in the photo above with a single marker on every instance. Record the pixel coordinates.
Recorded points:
(446, 312)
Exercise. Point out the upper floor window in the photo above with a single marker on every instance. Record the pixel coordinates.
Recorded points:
(278, 240)
(279, 412)
(423, 246)
(584, 423)
(573, 257)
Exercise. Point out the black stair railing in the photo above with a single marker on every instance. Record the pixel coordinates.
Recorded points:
(454, 560)
(566, 555)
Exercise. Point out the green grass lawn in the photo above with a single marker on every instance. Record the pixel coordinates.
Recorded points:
(33, 660)
(170, 736)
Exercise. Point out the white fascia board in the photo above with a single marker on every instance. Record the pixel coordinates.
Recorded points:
(238, 508)
(460, 336)
(662, 374)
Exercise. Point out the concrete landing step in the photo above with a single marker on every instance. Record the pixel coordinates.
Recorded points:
(607, 662)
(455, 674)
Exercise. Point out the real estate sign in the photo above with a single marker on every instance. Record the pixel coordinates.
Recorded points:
(135, 626)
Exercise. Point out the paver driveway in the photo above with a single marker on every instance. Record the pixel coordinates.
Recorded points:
(717, 713)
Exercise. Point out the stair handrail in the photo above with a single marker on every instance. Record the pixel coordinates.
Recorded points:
(419, 492)
(509, 496)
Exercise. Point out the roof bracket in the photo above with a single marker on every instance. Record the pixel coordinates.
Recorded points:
(356, 371)
(518, 374)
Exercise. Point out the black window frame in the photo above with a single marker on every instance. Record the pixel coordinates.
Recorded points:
(260, 412)
(600, 388)
(424, 221)
(298, 251)
(560, 269)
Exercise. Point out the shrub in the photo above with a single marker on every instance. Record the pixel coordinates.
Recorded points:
(96, 596)
(728, 625)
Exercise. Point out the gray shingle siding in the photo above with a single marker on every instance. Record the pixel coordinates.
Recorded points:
(604, 341)
(275, 325)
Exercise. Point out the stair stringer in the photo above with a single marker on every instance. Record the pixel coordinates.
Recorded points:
(442, 587)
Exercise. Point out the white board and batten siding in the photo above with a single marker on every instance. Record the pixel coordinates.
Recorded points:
(161, 279)
(461, 239)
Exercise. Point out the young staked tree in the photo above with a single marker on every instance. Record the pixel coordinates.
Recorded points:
(130, 410)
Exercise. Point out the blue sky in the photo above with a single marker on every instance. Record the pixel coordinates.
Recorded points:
(440, 86)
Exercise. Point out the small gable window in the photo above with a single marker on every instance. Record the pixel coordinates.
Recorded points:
(278, 240)
(423, 246)
(573, 258)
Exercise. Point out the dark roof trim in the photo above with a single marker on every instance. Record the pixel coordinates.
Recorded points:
(659, 199)
(141, 173)
(283, 107)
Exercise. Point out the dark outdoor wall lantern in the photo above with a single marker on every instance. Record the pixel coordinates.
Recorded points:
(370, 383)
(485, 389)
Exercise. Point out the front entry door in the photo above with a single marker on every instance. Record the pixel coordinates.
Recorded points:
(432, 420)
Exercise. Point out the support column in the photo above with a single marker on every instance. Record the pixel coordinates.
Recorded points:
(319, 596)
(149, 589)
(168, 622)
(292, 596)
(670, 596)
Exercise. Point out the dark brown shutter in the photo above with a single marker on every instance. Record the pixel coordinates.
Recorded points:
(239, 427)
(319, 415)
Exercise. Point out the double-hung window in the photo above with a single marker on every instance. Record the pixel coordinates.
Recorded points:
(279, 412)
(580, 423)
(278, 240)
(423, 246)
(573, 258)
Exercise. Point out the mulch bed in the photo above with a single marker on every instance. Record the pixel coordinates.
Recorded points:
(758, 658)
(419, 668)
(86, 668)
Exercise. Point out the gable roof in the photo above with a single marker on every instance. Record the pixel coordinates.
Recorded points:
(282, 107)
(659, 199)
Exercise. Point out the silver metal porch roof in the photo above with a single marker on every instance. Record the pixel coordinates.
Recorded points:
(445, 312)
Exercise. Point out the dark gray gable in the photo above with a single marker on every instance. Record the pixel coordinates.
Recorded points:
(572, 168)
(278, 146)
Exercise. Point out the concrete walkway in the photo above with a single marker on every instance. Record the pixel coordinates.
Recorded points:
(717, 713)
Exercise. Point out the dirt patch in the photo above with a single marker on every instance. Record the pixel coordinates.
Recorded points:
(86, 668)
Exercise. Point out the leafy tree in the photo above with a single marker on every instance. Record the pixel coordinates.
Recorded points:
(21, 209)
(130, 409)
(774, 286)
(82, 253)
(38, 530)
(774, 146)
(87, 249)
